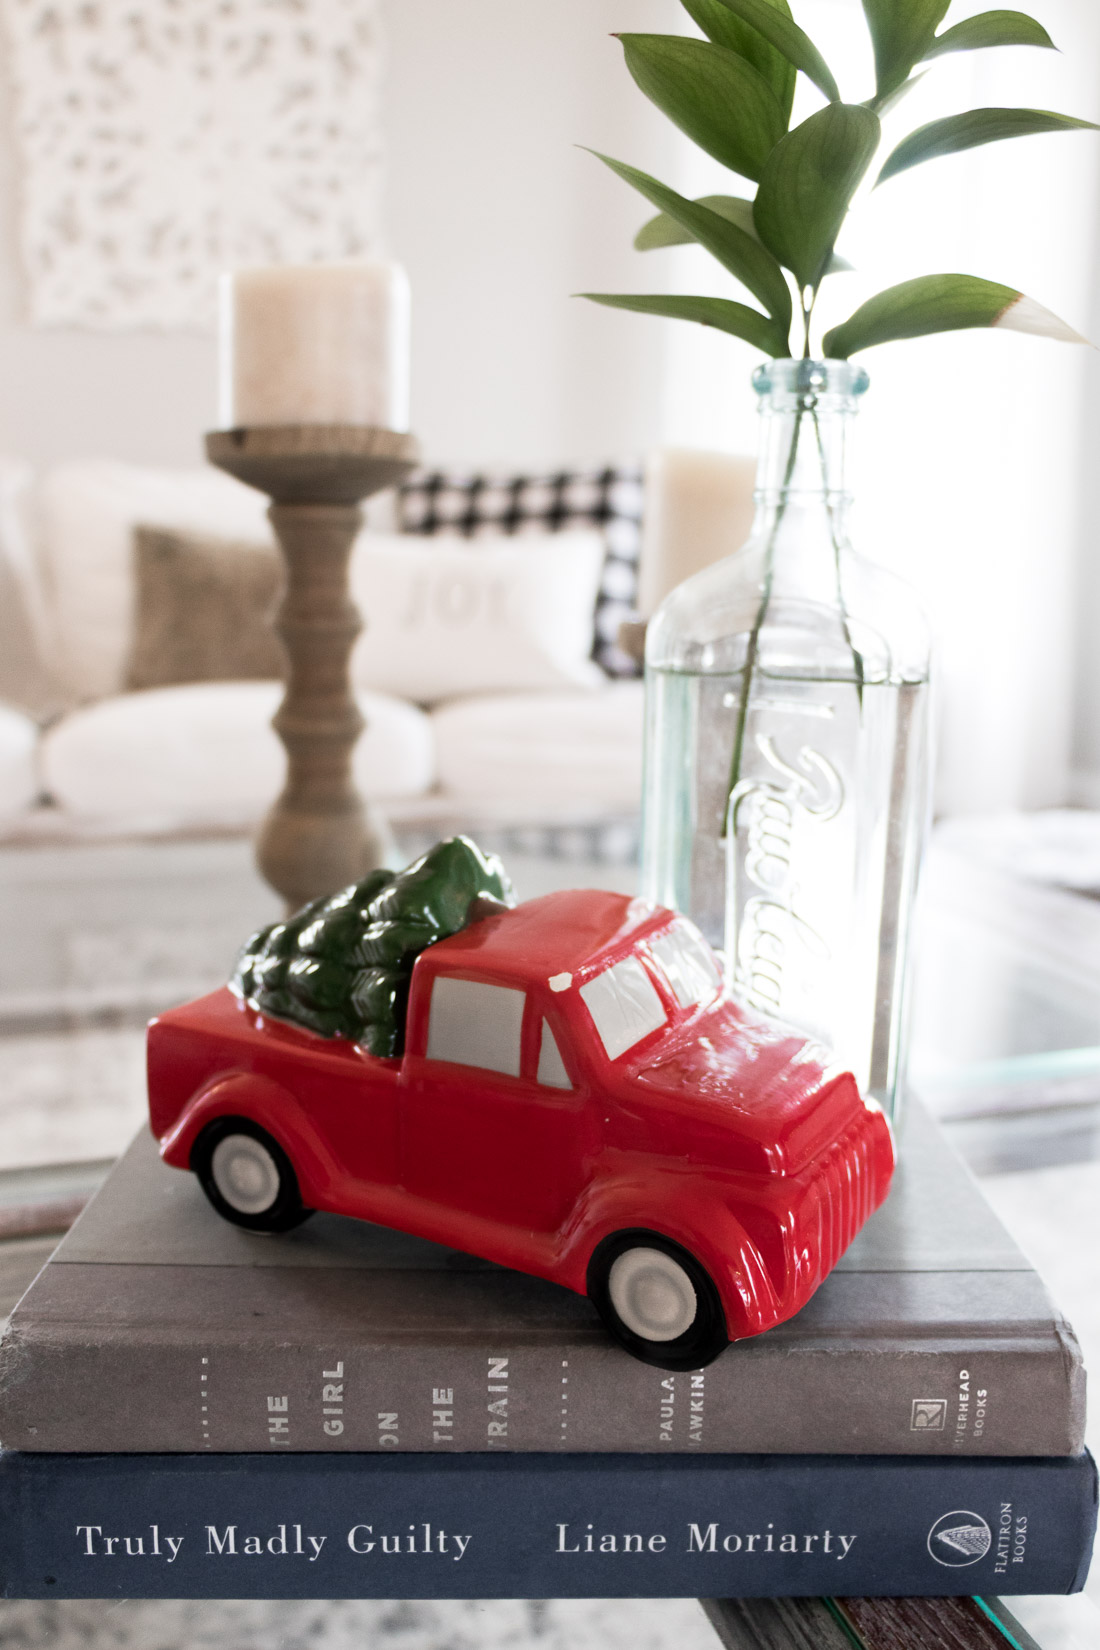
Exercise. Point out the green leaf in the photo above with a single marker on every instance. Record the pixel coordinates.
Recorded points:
(884, 105)
(808, 183)
(736, 319)
(664, 230)
(971, 129)
(901, 33)
(941, 303)
(719, 24)
(785, 35)
(991, 28)
(735, 250)
(721, 102)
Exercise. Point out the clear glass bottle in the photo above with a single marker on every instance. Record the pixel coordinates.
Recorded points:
(787, 764)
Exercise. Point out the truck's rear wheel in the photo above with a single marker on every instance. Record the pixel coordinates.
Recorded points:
(657, 1300)
(247, 1176)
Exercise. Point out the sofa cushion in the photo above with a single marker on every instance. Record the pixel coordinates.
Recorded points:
(490, 505)
(24, 617)
(87, 514)
(205, 755)
(18, 774)
(445, 620)
(550, 754)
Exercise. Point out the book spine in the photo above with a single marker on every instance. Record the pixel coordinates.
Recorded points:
(884, 1396)
(540, 1526)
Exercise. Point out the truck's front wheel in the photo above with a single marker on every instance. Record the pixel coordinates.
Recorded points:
(657, 1300)
(247, 1176)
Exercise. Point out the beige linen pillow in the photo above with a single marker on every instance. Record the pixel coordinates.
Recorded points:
(203, 610)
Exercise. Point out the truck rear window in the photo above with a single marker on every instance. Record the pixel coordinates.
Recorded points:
(475, 1024)
(624, 1006)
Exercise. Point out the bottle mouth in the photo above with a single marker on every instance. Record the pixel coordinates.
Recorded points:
(804, 382)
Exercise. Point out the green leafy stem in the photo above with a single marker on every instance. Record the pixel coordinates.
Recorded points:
(752, 646)
(732, 92)
(806, 407)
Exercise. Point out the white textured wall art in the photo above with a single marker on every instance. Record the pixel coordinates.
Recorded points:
(163, 140)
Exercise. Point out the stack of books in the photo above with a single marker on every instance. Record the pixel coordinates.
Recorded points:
(191, 1410)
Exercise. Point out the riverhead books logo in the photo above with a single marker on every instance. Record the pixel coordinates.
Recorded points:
(928, 1415)
(959, 1538)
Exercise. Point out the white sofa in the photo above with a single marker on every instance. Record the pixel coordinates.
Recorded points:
(18, 767)
(540, 736)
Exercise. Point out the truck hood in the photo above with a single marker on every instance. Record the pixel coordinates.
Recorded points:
(771, 1092)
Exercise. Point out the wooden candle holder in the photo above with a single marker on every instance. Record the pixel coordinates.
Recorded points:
(321, 834)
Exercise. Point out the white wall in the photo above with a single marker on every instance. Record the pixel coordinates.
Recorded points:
(1086, 721)
(973, 459)
(66, 394)
(499, 218)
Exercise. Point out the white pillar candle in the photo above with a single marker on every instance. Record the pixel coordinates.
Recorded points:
(315, 344)
(698, 508)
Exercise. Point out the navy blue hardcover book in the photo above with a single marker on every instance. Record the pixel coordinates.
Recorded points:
(531, 1526)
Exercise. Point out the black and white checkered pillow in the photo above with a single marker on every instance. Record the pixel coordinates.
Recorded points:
(485, 506)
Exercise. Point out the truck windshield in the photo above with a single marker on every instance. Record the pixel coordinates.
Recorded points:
(689, 964)
(624, 1006)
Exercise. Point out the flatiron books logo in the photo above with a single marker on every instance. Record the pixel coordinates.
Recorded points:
(959, 1538)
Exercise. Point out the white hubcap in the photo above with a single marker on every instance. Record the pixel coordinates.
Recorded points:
(652, 1294)
(245, 1174)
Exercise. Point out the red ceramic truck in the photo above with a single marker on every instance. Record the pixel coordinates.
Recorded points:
(579, 1098)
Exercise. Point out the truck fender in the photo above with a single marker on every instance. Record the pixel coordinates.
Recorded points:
(717, 1240)
(262, 1101)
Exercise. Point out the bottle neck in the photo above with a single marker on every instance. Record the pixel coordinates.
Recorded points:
(802, 502)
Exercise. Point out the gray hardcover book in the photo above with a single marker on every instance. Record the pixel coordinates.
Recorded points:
(157, 1326)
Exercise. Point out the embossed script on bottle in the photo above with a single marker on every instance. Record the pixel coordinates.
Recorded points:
(774, 817)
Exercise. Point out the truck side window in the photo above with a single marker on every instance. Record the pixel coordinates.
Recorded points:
(473, 1024)
(552, 1073)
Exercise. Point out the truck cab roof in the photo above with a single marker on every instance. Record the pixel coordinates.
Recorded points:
(576, 932)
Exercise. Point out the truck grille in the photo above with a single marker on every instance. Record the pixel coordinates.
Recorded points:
(846, 1192)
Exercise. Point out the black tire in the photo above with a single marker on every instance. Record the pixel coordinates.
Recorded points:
(265, 1197)
(622, 1294)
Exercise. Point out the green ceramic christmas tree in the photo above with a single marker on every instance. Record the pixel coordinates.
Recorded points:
(341, 966)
